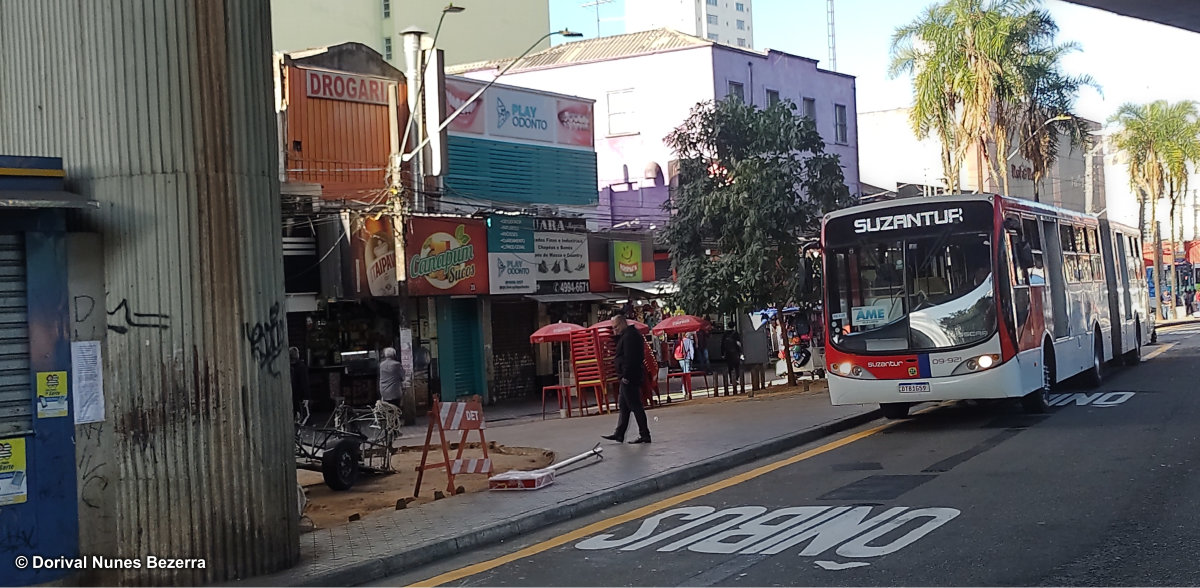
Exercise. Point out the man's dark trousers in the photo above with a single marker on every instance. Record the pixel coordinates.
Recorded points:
(630, 400)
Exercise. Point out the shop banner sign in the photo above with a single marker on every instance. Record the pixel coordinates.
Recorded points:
(511, 255)
(504, 112)
(13, 474)
(626, 261)
(444, 257)
(562, 263)
(373, 249)
(523, 115)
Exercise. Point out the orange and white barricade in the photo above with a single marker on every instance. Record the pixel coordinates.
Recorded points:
(453, 417)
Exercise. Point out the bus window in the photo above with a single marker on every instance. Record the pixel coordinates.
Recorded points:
(1037, 273)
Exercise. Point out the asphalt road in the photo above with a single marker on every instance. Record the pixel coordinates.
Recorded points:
(1101, 491)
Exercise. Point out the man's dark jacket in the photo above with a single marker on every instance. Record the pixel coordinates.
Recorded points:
(631, 349)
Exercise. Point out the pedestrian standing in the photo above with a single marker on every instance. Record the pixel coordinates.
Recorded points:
(731, 348)
(630, 367)
(391, 379)
(299, 385)
(687, 353)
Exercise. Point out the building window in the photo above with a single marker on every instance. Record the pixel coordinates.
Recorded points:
(810, 109)
(387, 48)
(712, 19)
(620, 112)
(713, 37)
(741, 42)
(772, 97)
(712, 2)
(741, 7)
(741, 25)
(841, 129)
(737, 90)
(387, 8)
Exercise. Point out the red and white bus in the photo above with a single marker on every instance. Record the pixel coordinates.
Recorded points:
(976, 297)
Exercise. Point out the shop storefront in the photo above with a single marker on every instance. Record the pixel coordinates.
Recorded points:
(446, 272)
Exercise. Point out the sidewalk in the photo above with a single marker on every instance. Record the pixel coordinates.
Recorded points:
(691, 440)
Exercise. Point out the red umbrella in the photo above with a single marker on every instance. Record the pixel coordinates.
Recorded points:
(640, 326)
(684, 323)
(559, 332)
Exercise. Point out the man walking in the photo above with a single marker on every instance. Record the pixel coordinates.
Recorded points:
(630, 368)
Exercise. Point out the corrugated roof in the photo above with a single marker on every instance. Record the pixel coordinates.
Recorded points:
(588, 50)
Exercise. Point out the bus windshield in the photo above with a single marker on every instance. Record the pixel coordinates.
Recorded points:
(919, 291)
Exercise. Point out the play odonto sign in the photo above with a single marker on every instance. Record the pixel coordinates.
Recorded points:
(446, 257)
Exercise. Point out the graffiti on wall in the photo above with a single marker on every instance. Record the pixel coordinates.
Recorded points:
(267, 340)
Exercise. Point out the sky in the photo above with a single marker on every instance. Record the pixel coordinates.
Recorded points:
(1131, 60)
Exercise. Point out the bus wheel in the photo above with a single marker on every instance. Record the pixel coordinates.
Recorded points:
(895, 410)
(1095, 374)
(1038, 401)
(1134, 356)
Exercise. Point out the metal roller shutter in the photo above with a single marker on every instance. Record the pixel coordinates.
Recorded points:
(16, 406)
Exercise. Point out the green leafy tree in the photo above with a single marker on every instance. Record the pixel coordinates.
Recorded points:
(753, 185)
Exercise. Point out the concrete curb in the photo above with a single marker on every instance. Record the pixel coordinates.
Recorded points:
(418, 555)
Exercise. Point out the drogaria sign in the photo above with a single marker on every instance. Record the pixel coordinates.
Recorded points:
(351, 88)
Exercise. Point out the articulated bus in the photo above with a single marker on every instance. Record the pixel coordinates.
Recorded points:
(976, 297)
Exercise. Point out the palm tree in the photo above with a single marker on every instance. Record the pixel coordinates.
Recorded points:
(976, 67)
(1044, 115)
(1162, 143)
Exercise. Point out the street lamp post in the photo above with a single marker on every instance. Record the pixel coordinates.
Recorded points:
(416, 150)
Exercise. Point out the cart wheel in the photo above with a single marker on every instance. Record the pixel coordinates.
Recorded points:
(340, 465)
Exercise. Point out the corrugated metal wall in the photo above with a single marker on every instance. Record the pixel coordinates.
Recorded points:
(342, 145)
(162, 110)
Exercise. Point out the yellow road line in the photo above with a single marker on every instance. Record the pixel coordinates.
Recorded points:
(649, 509)
(1158, 352)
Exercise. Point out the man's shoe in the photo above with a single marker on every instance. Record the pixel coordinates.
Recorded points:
(613, 437)
(640, 440)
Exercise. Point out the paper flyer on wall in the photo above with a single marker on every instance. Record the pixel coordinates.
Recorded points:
(51, 394)
(87, 381)
(13, 476)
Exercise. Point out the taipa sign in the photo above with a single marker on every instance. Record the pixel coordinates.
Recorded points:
(444, 257)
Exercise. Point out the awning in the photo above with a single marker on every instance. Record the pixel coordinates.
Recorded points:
(582, 297)
(652, 288)
(44, 199)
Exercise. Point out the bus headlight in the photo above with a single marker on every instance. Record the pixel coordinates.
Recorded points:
(850, 370)
(977, 364)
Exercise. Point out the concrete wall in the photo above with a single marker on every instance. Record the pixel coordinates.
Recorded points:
(487, 29)
(889, 153)
(303, 24)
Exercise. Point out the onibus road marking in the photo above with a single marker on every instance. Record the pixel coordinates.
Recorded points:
(1100, 399)
(850, 532)
(650, 509)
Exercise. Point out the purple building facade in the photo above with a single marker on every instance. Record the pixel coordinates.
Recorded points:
(645, 84)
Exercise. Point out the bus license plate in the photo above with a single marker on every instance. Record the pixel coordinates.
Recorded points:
(910, 387)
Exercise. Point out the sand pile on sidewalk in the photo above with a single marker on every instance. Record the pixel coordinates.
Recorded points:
(373, 493)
